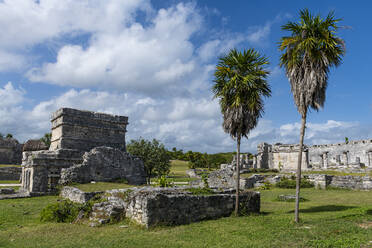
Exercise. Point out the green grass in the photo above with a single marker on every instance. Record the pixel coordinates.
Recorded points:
(9, 182)
(337, 173)
(101, 186)
(330, 218)
(10, 165)
(178, 168)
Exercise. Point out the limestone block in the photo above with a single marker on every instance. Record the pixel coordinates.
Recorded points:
(77, 195)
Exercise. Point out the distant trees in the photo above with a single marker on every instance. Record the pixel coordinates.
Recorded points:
(240, 84)
(154, 155)
(9, 136)
(309, 53)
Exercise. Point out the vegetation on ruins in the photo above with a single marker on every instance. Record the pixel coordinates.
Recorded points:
(240, 83)
(46, 139)
(308, 54)
(154, 156)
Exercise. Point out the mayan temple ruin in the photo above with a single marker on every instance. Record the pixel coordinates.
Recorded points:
(85, 146)
(354, 155)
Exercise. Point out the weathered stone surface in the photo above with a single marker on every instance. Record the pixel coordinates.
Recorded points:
(106, 164)
(7, 191)
(10, 151)
(85, 130)
(169, 206)
(10, 173)
(34, 145)
(196, 173)
(76, 195)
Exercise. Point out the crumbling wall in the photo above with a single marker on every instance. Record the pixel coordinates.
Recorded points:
(10, 151)
(169, 206)
(105, 164)
(353, 155)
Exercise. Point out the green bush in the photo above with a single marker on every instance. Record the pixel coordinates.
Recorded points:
(66, 211)
(163, 181)
(286, 183)
(265, 186)
(63, 211)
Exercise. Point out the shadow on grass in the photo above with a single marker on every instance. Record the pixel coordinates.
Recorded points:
(325, 208)
(369, 211)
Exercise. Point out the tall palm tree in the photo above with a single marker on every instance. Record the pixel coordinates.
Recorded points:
(309, 53)
(240, 83)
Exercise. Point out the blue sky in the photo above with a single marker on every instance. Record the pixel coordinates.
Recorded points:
(154, 61)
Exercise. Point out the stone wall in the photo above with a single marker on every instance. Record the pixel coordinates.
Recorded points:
(85, 130)
(344, 182)
(169, 206)
(105, 164)
(10, 151)
(10, 173)
(352, 155)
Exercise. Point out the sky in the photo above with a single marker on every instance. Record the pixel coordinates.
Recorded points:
(153, 61)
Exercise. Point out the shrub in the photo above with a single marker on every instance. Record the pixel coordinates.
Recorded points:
(66, 211)
(63, 211)
(265, 186)
(291, 183)
(163, 181)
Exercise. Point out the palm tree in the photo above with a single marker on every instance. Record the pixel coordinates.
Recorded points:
(240, 83)
(309, 53)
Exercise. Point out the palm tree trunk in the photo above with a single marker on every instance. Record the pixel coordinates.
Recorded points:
(299, 162)
(237, 176)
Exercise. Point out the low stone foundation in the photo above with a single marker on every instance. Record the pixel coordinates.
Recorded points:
(10, 173)
(150, 206)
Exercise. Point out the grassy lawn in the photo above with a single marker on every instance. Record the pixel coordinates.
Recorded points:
(178, 168)
(331, 218)
(101, 186)
(9, 182)
(338, 173)
(10, 165)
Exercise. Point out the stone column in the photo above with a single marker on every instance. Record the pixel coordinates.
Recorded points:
(325, 160)
(369, 159)
(345, 158)
(338, 159)
(254, 162)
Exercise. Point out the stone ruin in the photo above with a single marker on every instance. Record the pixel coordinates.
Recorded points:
(85, 146)
(351, 156)
(149, 206)
(10, 151)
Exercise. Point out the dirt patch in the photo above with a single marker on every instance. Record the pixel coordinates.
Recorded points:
(366, 225)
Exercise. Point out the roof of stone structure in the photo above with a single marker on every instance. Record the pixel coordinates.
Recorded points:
(34, 145)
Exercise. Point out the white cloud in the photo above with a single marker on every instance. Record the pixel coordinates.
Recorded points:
(187, 123)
